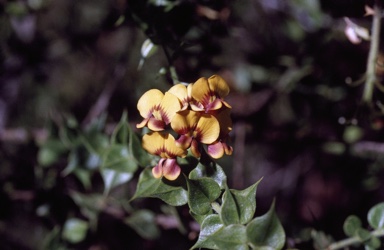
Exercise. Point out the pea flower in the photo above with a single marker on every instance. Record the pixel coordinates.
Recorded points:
(163, 145)
(219, 147)
(194, 128)
(183, 93)
(208, 94)
(157, 109)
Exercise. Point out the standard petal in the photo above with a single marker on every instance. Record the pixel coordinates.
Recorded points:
(207, 129)
(169, 106)
(180, 123)
(180, 91)
(184, 121)
(171, 169)
(200, 90)
(216, 150)
(171, 149)
(218, 86)
(153, 142)
(148, 101)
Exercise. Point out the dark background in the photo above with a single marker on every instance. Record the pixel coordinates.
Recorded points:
(296, 121)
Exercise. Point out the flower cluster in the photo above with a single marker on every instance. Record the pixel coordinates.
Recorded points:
(197, 113)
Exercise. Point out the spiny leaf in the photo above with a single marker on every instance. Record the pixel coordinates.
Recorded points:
(239, 206)
(209, 226)
(232, 237)
(266, 231)
(148, 186)
(201, 193)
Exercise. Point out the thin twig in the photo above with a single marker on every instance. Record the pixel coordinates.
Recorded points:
(373, 53)
(352, 241)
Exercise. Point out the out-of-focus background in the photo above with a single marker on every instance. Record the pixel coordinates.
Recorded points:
(298, 122)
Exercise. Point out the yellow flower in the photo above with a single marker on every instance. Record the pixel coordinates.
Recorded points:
(208, 94)
(163, 145)
(219, 147)
(183, 93)
(194, 128)
(157, 109)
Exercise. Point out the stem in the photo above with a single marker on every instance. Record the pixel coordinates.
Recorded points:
(171, 68)
(373, 52)
(354, 240)
(216, 207)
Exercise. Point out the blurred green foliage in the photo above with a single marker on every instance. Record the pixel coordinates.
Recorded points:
(67, 174)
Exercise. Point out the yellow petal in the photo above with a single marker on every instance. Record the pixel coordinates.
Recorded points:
(153, 142)
(184, 121)
(207, 129)
(200, 90)
(224, 118)
(169, 106)
(218, 86)
(180, 124)
(148, 101)
(180, 91)
(171, 149)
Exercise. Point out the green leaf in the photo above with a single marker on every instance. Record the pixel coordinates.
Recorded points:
(75, 230)
(211, 170)
(53, 240)
(229, 211)
(351, 224)
(121, 132)
(376, 216)
(84, 176)
(363, 234)
(90, 204)
(200, 218)
(124, 135)
(232, 237)
(266, 231)
(137, 151)
(209, 226)
(352, 134)
(50, 151)
(143, 222)
(148, 186)
(118, 158)
(373, 243)
(113, 178)
(239, 206)
(201, 192)
(320, 239)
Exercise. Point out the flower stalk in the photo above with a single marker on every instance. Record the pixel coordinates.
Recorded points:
(353, 240)
(373, 54)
